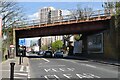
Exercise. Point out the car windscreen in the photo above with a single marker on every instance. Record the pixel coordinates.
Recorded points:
(48, 52)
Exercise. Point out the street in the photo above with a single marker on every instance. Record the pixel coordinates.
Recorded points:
(52, 69)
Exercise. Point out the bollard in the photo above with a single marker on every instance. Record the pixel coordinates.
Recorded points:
(20, 59)
(12, 71)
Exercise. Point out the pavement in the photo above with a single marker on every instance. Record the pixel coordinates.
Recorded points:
(20, 71)
(111, 62)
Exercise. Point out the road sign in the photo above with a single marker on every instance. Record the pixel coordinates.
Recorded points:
(22, 42)
(12, 46)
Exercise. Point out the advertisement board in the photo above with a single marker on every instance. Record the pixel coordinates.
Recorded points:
(95, 43)
(22, 42)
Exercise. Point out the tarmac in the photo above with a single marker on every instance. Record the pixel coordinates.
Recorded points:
(110, 62)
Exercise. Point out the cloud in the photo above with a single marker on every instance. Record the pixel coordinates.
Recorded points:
(34, 16)
(65, 12)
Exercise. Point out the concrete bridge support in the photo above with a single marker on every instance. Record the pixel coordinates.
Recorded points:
(84, 44)
(111, 41)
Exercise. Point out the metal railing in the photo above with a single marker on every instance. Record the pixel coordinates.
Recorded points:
(65, 18)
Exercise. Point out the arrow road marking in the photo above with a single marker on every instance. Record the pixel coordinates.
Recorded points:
(51, 77)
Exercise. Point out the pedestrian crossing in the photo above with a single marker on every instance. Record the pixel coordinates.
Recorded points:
(22, 74)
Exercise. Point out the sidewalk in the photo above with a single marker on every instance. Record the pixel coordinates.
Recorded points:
(16, 61)
(111, 62)
(20, 71)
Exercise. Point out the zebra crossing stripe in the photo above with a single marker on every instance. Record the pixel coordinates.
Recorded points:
(28, 71)
(21, 69)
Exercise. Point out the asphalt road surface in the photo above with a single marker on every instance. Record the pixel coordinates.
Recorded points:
(61, 69)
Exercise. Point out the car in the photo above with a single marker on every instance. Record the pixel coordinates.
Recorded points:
(58, 54)
(41, 53)
(48, 54)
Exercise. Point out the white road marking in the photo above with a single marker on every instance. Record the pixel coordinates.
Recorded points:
(21, 69)
(81, 63)
(59, 69)
(71, 69)
(23, 74)
(87, 75)
(49, 77)
(54, 70)
(28, 71)
(67, 76)
(89, 65)
(47, 70)
(78, 75)
(27, 68)
(45, 59)
(51, 65)
(56, 76)
(94, 75)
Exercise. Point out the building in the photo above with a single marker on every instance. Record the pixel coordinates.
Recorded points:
(50, 15)
(45, 14)
(56, 15)
(50, 39)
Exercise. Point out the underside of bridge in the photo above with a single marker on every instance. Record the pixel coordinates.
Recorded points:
(85, 28)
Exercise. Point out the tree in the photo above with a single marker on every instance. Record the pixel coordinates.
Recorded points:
(82, 13)
(10, 12)
(44, 47)
(57, 45)
(77, 37)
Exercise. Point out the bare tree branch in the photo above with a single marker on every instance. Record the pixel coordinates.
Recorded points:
(9, 11)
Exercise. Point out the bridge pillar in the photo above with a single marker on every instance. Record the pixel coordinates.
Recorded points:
(17, 46)
(84, 44)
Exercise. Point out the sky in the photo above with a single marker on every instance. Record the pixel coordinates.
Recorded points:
(31, 9)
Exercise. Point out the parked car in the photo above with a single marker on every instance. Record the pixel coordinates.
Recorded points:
(48, 54)
(41, 53)
(58, 54)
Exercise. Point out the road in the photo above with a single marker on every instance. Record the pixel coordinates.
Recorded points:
(55, 69)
